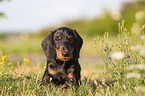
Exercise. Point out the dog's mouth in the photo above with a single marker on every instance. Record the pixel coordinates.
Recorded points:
(64, 55)
(65, 58)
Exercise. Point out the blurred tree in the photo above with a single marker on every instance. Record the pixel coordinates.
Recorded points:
(96, 26)
(101, 24)
(133, 12)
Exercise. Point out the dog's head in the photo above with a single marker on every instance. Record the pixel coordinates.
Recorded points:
(63, 44)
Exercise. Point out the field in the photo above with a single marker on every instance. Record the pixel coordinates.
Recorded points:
(103, 72)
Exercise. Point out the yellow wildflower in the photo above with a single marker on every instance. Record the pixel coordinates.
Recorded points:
(4, 57)
(9, 63)
(1, 62)
(123, 20)
(26, 60)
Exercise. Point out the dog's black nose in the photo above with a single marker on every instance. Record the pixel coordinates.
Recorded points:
(65, 54)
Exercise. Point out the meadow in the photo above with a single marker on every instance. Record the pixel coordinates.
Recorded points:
(110, 66)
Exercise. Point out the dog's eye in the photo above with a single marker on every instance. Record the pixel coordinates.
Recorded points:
(69, 38)
(58, 38)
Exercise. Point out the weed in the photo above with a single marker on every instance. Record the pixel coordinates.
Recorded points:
(124, 62)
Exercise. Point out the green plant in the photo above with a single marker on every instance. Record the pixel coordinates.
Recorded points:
(124, 62)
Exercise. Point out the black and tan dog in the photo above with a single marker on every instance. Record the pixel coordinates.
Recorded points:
(62, 47)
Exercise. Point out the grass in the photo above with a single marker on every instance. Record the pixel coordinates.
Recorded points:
(121, 75)
(25, 80)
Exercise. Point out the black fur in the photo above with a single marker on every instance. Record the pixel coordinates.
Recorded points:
(62, 47)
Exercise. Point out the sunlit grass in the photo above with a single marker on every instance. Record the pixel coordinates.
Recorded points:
(25, 79)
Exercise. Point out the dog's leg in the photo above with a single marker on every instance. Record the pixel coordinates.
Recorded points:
(78, 74)
(45, 78)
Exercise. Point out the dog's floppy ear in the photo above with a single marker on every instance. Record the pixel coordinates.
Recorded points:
(78, 44)
(48, 47)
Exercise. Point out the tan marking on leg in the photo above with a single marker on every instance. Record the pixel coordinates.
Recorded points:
(51, 71)
(70, 75)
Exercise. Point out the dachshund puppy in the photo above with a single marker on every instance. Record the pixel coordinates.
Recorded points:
(62, 47)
